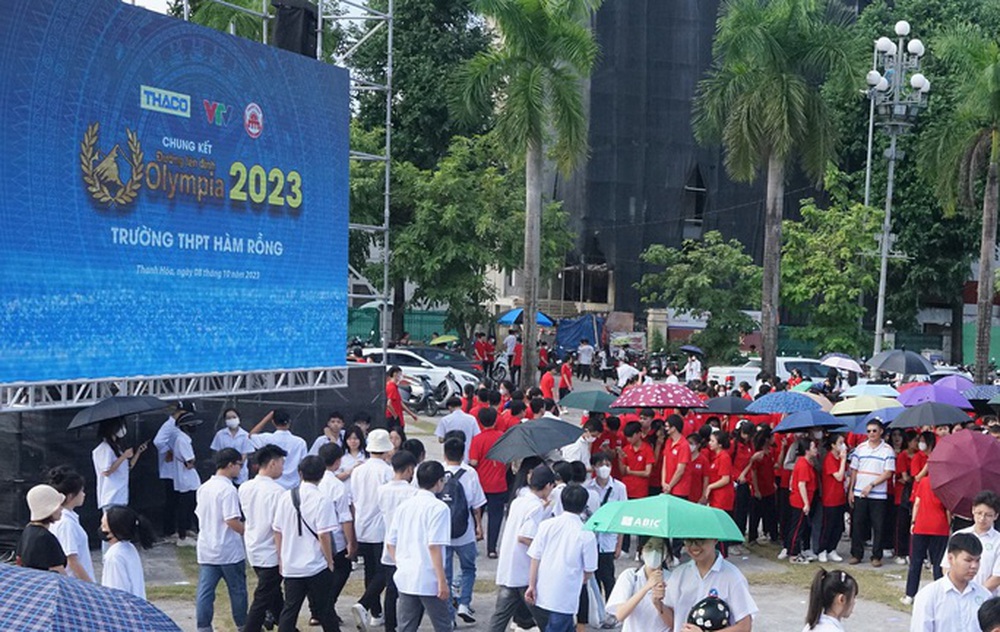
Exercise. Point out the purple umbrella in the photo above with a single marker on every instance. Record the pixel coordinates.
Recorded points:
(934, 393)
(955, 382)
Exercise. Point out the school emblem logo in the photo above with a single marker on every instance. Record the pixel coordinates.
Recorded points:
(104, 172)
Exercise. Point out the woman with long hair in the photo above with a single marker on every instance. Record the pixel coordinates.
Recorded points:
(72, 538)
(354, 452)
(122, 528)
(637, 598)
(233, 436)
(112, 463)
(831, 600)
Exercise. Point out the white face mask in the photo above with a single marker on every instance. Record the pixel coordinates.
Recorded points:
(589, 439)
(121, 432)
(817, 434)
(604, 471)
(233, 423)
(922, 445)
(652, 558)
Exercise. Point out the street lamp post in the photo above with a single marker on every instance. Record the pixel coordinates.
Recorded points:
(897, 94)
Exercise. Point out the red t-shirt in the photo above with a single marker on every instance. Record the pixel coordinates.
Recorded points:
(725, 496)
(566, 376)
(492, 474)
(803, 472)
(546, 384)
(674, 454)
(765, 475)
(833, 491)
(394, 402)
(491, 351)
(608, 441)
(543, 357)
(902, 465)
(931, 516)
(741, 457)
(518, 352)
(480, 348)
(696, 472)
(917, 462)
(637, 459)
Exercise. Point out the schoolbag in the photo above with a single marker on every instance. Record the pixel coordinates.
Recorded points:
(453, 495)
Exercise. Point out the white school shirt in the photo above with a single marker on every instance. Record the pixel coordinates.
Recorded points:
(185, 479)
(686, 587)
(241, 443)
(217, 501)
(579, 450)
(322, 440)
(565, 551)
(427, 523)
(826, 624)
(462, 421)
(509, 343)
(474, 496)
(513, 565)
(164, 442)
(940, 607)
(989, 563)
(73, 540)
(122, 569)
(606, 542)
(259, 497)
(390, 496)
(113, 489)
(645, 617)
(585, 354)
(365, 481)
(301, 555)
(295, 447)
(871, 463)
(335, 490)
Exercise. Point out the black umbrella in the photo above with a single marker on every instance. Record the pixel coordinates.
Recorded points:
(902, 362)
(727, 406)
(692, 349)
(113, 407)
(930, 414)
(533, 438)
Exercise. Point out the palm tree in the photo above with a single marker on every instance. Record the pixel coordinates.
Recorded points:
(954, 160)
(762, 100)
(534, 75)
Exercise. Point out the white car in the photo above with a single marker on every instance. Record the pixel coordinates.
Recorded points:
(748, 372)
(413, 366)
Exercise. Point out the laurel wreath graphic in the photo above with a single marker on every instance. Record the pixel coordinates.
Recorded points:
(95, 186)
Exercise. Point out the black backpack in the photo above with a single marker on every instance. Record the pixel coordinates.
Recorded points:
(453, 495)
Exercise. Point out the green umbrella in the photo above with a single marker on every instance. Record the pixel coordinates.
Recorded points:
(599, 401)
(665, 516)
(802, 387)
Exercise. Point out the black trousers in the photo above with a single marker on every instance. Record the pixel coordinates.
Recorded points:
(494, 517)
(341, 573)
(763, 510)
(833, 528)
(799, 533)
(391, 599)
(868, 517)
(318, 588)
(605, 573)
(371, 552)
(266, 597)
(185, 512)
(784, 515)
(741, 510)
(169, 507)
(923, 547)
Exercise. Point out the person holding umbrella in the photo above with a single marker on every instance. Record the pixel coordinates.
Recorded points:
(637, 598)
(112, 463)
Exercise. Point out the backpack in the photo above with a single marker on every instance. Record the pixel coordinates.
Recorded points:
(453, 495)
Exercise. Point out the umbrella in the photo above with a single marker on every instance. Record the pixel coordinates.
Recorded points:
(726, 406)
(863, 404)
(930, 414)
(802, 387)
(113, 407)
(956, 382)
(841, 361)
(824, 404)
(692, 349)
(665, 516)
(443, 340)
(935, 393)
(783, 402)
(962, 465)
(858, 423)
(516, 317)
(901, 361)
(808, 419)
(911, 385)
(599, 401)
(876, 390)
(40, 601)
(533, 438)
(989, 392)
(659, 396)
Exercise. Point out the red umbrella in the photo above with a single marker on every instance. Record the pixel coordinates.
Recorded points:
(905, 387)
(659, 396)
(962, 465)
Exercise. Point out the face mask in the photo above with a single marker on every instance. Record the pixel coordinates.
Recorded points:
(121, 432)
(922, 445)
(604, 471)
(589, 439)
(652, 558)
(233, 423)
(105, 536)
(817, 434)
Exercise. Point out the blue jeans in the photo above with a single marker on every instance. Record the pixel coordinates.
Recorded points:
(467, 561)
(235, 576)
(559, 622)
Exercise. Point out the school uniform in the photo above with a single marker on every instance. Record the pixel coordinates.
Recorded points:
(335, 490)
(686, 587)
(645, 617)
(513, 564)
(186, 482)
(942, 607)
(240, 442)
(929, 539)
(464, 546)
(121, 568)
(73, 540)
(259, 499)
(164, 443)
(565, 552)
(221, 555)
(370, 528)
(112, 489)
(989, 562)
(610, 492)
(390, 496)
(294, 445)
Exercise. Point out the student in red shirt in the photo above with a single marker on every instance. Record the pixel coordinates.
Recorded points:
(611, 441)
(566, 377)
(929, 535)
(515, 362)
(763, 490)
(394, 406)
(676, 459)
(479, 348)
(509, 418)
(548, 382)
(801, 499)
(741, 452)
(834, 497)
(492, 476)
(720, 492)
(904, 494)
(636, 460)
(697, 473)
(543, 356)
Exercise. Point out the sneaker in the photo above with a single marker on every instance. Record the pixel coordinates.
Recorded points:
(822, 557)
(376, 621)
(783, 554)
(799, 559)
(360, 617)
(833, 556)
(854, 561)
(465, 615)
(736, 550)
(809, 555)
(186, 542)
(876, 563)
(906, 600)
(901, 561)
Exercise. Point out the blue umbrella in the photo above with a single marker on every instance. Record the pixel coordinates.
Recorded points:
(783, 402)
(692, 349)
(808, 419)
(516, 317)
(858, 424)
(42, 601)
(982, 391)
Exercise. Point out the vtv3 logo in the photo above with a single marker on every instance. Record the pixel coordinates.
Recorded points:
(217, 113)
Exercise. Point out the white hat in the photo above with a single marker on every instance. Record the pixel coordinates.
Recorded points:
(43, 501)
(378, 441)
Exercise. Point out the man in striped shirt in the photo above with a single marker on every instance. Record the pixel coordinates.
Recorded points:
(872, 465)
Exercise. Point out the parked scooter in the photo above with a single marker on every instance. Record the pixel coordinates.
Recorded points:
(420, 398)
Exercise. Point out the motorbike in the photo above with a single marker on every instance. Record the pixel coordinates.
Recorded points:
(420, 398)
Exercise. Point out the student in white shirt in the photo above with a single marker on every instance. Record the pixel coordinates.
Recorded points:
(989, 615)
(345, 543)
(604, 489)
(637, 598)
(706, 571)
(464, 544)
(333, 432)
(303, 523)
(164, 443)
(831, 600)
(951, 603)
(563, 556)
(457, 419)
(369, 525)
(282, 437)
(416, 545)
(121, 528)
(186, 479)
(390, 496)
(112, 463)
(232, 436)
(259, 498)
(72, 538)
(221, 555)
(985, 509)
(579, 450)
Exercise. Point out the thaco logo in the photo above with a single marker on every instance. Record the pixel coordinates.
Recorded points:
(164, 101)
